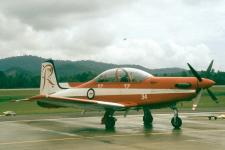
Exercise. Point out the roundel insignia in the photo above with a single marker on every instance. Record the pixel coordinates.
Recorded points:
(90, 93)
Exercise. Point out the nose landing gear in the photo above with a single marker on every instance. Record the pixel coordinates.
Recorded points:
(176, 121)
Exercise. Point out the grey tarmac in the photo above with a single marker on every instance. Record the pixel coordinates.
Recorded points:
(86, 133)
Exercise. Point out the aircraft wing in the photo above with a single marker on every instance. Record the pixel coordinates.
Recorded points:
(67, 102)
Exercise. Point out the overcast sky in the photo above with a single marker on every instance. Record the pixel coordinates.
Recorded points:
(152, 33)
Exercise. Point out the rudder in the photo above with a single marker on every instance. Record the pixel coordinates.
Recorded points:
(49, 83)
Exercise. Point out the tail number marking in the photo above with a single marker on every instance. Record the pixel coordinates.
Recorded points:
(144, 96)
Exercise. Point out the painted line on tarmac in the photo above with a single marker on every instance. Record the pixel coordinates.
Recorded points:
(101, 136)
(211, 130)
(82, 138)
(58, 132)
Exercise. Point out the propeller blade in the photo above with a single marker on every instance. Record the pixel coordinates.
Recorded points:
(213, 97)
(209, 69)
(196, 100)
(195, 73)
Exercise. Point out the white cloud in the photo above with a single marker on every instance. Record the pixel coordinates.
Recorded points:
(48, 15)
(151, 54)
(159, 33)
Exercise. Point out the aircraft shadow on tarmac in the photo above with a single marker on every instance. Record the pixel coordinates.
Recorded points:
(66, 128)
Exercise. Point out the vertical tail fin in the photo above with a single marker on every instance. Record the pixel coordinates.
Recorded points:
(49, 83)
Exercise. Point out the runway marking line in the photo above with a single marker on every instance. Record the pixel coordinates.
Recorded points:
(94, 137)
(79, 138)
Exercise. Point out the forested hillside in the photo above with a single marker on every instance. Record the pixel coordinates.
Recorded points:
(24, 71)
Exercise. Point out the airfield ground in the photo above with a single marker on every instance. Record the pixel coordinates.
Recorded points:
(82, 133)
(43, 129)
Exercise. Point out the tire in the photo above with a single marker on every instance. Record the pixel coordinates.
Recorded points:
(176, 122)
(110, 123)
(147, 120)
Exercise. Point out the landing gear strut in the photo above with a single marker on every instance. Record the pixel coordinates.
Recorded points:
(147, 118)
(109, 120)
(176, 120)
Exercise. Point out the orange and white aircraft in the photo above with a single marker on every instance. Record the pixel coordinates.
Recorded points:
(122, 89)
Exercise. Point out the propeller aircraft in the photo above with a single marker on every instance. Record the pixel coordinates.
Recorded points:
(123, 89)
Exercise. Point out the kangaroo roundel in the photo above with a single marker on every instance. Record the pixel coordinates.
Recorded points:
(90, 93)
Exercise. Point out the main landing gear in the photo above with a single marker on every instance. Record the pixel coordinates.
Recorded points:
(147, 118)
(109, 120)
(176, 120)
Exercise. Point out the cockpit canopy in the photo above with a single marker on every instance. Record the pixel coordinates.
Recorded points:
(123, 75)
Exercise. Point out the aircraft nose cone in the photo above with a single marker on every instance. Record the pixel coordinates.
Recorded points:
(206, 83)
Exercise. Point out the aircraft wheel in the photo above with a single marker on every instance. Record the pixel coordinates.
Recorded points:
(103, 120)
(110, 123)
(147, 119)
(176, 122)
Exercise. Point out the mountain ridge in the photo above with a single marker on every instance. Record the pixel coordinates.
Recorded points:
(32, 64)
